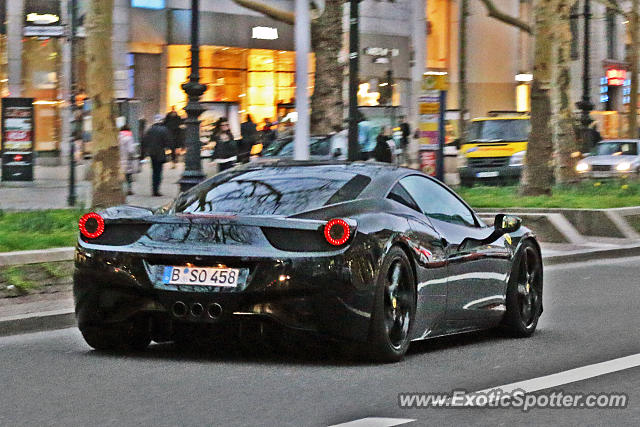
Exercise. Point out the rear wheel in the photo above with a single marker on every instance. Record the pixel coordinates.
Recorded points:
(130, 336)
(394, 309)
(524, 295)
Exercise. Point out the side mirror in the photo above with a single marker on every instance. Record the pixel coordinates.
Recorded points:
(337, 153)
(507, 223)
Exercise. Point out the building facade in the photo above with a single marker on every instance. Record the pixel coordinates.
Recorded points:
(248, 60)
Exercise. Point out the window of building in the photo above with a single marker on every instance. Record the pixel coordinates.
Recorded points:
(612, 34)
(573, 25)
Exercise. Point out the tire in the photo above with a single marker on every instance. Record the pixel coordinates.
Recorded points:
(132, 336)
(524, 292)
(394, 309)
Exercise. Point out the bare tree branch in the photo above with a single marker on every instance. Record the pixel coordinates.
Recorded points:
(270, 11)
(495, 13)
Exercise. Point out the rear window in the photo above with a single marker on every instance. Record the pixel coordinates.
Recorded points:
(272, 191)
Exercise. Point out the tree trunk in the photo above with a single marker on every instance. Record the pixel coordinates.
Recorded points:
(107, 182)
(538, 171)
(327, 111)
(564, 138)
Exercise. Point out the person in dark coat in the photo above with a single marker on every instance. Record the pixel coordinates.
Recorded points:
(249, 134)
(225, 152)
(382, 152)
(154, 142)
(172, 121)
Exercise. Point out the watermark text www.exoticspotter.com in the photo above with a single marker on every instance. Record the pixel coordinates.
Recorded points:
(518, 399)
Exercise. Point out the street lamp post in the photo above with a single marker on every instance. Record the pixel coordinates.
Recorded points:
(585, 103)
(71, 198)
(354, 58)
(193, 174)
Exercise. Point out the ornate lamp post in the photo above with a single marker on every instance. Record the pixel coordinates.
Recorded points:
(354, 58)
(193, 174)
(585, 103)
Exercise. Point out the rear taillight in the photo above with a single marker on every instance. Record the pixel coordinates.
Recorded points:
(91, 225)
(337, 232)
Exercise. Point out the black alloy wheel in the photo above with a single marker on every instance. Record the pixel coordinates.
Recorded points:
(394, 308)
(524, 296)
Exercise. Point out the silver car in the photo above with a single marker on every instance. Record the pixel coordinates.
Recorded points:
(611, 159)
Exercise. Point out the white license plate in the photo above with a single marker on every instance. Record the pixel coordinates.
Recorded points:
(600, 174)
(491, 174)
(201, 276)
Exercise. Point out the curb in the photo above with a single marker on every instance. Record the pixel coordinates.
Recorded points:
(36, 256)
(592, 254)
(36, 322)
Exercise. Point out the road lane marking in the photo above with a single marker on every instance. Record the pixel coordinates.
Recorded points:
(375, 422)
(562, 378)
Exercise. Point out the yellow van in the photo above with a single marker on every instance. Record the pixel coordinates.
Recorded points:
(494, 149)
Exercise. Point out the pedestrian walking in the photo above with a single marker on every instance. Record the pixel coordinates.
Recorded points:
(384, 150)
(226, 151)
(129, 156)
(154, 142)
(405, 129)
(173, 121)
(268, 134)
(249, 134)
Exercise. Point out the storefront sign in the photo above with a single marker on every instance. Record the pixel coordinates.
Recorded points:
(17, 129)
(42, 19)
(381, 51)
(51, 31)
(264, 33)
(616, 76)
(148, 4)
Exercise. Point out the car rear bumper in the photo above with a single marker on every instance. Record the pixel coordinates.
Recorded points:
(315, 294)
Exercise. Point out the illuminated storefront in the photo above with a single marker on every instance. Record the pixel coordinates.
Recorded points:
(41, 69)
(259, 80)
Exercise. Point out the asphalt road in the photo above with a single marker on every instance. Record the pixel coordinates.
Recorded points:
(591, 316)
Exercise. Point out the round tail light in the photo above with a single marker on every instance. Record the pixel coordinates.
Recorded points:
(337, 232)
(91, 225)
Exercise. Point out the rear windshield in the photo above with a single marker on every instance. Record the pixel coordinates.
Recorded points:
(272, 191)
(499, 130)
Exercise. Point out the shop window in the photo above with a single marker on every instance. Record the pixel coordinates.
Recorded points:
(257, 79)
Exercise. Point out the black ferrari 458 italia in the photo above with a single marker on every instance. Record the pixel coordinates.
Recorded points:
(362, 253)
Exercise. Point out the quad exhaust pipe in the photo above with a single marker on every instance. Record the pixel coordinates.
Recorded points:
(214, 310)
(180, 309)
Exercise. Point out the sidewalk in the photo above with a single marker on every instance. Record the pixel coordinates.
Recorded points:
(50, 188)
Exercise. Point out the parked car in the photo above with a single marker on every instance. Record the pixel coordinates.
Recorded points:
(321, 147)
(367, 254)
(610, 159)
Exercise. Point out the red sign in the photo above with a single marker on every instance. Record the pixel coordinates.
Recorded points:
(428, 162)
(616, 76)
